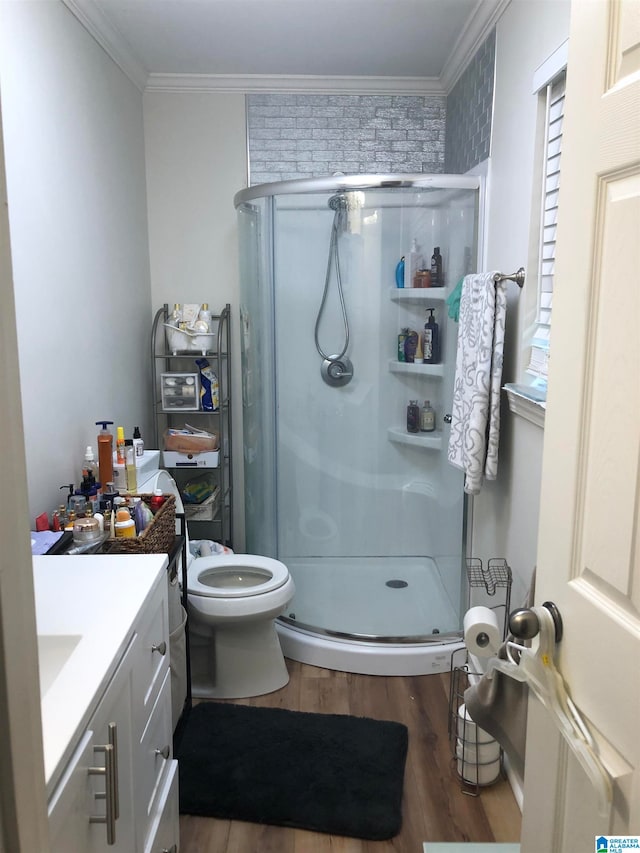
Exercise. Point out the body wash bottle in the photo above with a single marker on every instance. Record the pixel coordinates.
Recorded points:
(431, 346)
(412, 263)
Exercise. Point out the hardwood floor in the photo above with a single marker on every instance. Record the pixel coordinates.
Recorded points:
(434, 807)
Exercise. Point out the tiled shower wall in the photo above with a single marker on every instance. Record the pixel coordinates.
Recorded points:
(309, 136)
(469, 112)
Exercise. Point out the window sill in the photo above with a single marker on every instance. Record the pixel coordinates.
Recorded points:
(523, 402)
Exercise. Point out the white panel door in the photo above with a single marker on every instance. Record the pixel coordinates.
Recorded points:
(589, 536)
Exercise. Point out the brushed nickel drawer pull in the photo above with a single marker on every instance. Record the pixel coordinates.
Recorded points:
(160, 647)
(109, 794)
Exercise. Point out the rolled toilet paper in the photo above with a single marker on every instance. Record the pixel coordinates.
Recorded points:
(482, 636)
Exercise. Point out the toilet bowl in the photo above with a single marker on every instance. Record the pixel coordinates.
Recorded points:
(233, 601)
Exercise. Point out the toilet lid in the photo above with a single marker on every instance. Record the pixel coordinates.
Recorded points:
(235, 575)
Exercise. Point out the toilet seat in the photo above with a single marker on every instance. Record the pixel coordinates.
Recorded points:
(235, 576)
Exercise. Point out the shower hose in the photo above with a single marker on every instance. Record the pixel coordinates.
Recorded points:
(338, 204)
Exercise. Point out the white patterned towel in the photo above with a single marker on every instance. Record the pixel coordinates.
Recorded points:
(475, 413)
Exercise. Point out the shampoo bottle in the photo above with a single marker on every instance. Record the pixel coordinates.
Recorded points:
(105, 453)
(431, 346)
(436, 268)
(412, 263)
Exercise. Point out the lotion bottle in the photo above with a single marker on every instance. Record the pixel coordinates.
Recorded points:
(105, 453)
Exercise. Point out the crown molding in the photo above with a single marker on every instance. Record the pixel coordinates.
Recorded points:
(110, 40)
(476, 30)
(292, 83)
(479, 25)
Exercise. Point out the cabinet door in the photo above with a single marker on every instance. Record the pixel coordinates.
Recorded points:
(70, 804)
(78, 807)
(113, 723)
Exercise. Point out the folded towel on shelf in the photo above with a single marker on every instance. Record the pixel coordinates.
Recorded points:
(453, 301)
(475, 412)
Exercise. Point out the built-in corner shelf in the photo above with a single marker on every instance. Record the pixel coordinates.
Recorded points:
(420, 369)
(426, 440)
(418, 294)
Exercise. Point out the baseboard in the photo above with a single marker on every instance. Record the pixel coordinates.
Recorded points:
(517, 784)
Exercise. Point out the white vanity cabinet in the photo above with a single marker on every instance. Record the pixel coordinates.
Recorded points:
(119, 791)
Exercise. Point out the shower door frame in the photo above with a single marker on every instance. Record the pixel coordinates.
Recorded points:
(269, 194)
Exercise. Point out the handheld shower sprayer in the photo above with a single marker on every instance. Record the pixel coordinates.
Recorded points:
(337, 369)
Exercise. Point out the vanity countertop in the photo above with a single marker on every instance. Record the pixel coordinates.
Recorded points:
(86, 606)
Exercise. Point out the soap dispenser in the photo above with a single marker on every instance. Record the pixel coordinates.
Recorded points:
(431, 346)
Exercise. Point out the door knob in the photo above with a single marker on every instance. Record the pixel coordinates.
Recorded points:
(525, 625)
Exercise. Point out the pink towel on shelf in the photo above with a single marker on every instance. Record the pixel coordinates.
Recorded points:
(475, 413)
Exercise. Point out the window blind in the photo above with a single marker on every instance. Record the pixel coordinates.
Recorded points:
(539, 360)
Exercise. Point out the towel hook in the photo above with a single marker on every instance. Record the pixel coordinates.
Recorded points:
(518, 277)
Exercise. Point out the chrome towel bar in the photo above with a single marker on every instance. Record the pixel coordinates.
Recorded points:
(518, 277)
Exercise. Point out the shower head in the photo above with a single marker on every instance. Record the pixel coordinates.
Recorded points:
(353, 200)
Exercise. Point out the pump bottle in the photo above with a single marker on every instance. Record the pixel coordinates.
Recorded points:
(105, 453)
(431, 347)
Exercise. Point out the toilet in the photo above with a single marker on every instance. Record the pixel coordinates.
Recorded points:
(233, 602)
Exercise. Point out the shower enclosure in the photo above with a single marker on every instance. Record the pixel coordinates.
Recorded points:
(370, 519)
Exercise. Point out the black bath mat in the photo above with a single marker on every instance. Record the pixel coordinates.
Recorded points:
(324, 772)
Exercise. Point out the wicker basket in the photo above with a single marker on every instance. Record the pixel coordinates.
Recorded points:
(157, 538)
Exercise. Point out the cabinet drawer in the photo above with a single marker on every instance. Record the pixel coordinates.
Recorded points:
(153, 655)
(156, 754)
(164, 835)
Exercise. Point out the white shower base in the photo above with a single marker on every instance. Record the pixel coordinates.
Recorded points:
(350, 596)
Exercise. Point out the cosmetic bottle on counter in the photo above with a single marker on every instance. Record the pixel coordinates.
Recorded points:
(105, 453)
(120, 459)
(130, 466)
(138, 443)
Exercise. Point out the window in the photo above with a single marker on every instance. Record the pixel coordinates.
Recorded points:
(549, 84)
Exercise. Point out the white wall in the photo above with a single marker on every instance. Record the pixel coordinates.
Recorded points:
(74, 152)
(196, 163)
(506, 511)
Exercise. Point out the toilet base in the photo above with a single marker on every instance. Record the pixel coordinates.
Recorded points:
(239, 661)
